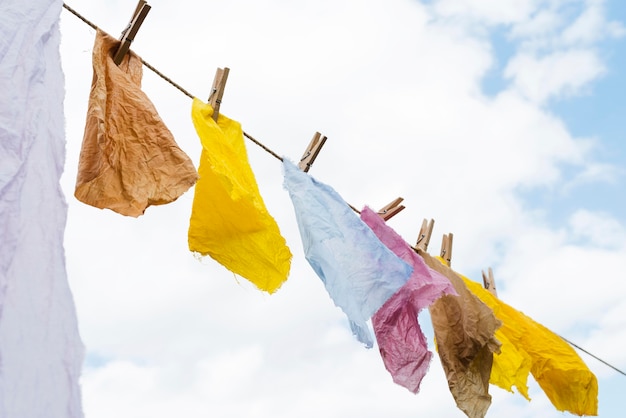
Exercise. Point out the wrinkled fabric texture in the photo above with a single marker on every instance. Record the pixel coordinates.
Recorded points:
(129, 160)
(359, 272)
(229, 220)
(464, 330)
(559, 370)
(41, 353)
(400, 339)
(512, 365)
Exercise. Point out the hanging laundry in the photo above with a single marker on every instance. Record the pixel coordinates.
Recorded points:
(511, 366)
(560, 372)
(229, 220)
(464, 330)
(401, 342)
(41, 352)
(129, 160)
(359, 272)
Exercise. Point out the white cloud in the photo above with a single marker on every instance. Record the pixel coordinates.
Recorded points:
(588, 27)
(591, 25)
(556, 75)
(486, 11)
(598, 229)
(606, 340)
(594, 173)
(544, 23)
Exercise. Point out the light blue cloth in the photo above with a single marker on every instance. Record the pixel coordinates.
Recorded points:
(360, 273)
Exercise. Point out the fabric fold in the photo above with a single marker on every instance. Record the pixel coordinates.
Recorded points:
(229, 221)
(41, 352)
(511, 366)
(400, 339)
(464, 330)
(129, 159)
(359, 272)
(559, 370)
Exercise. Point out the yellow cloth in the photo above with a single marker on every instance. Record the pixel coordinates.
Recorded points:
(558, 369)
(464, 331)
(511, 367)
(129, 159)
(229, 220)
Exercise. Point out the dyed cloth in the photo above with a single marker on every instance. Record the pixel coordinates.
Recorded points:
(401, 342)
(229, 220)
(129, 159)
(464, 330)
(511, 366)
(561, 373)
(41, 353)
(359, 272)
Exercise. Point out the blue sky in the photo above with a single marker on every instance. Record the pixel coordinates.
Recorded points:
(596, 111)
(475, 112)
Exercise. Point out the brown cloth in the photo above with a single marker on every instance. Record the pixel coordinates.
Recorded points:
(464, 330)
(129, 159)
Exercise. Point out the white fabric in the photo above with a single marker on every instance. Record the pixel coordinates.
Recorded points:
(41, 352)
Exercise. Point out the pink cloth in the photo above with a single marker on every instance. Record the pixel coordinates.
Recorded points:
(401, 342)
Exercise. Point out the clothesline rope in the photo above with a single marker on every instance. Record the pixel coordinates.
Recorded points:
(263, 146)
(144, 62)
(169, 80)
(269, 151)
(596, 357)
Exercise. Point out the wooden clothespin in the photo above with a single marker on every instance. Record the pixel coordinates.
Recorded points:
(312, 151)
(489, 282)
(391, 209)
(446, 248)
(128, 35)
(424, 236)
(217, 91)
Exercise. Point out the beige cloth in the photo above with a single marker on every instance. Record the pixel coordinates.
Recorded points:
(129, 159)
(464, 330)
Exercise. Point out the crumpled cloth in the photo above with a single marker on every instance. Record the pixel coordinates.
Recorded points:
(41, 352)
(464, 330)
(559, 370)
(129, 160)
(400, 339)
(511, 366)
(359, 272)
(229, 220)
